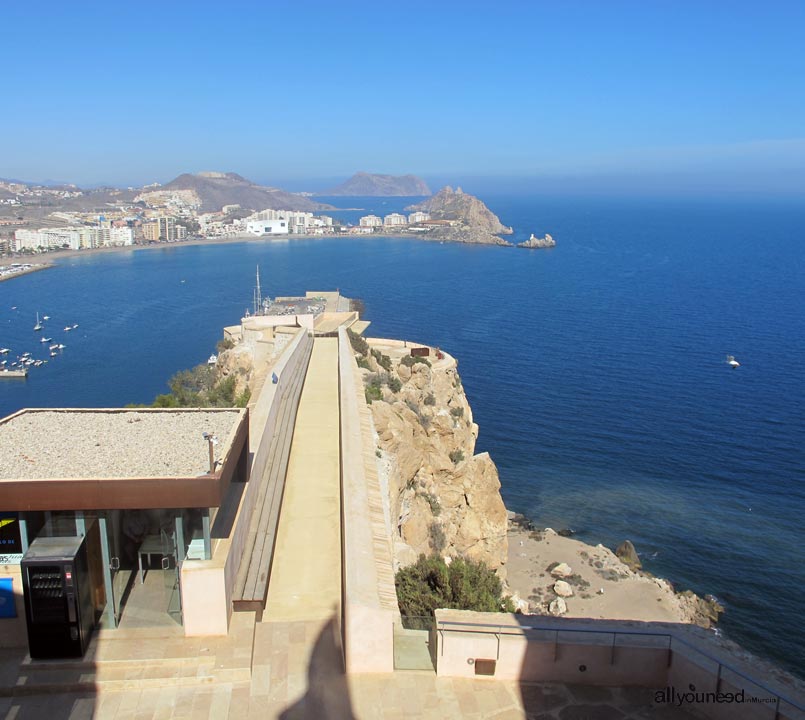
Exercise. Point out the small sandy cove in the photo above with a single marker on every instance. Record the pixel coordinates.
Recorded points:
(602, 586)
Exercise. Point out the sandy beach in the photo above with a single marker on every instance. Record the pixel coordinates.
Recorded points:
(602, 586)
(57, 255)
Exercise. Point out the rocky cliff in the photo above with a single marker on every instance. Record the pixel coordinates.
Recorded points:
(443, 497)
(369, 184)
(465, 218)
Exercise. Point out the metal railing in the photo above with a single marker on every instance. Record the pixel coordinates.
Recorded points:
(443, 626)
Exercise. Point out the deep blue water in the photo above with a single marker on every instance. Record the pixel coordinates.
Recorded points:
(596, 370)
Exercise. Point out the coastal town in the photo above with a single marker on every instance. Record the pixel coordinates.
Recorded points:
(202, 207)
(164, 216)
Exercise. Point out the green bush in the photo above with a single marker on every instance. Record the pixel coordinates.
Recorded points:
(363, 363)
(243, 399)
(383, 360)
(359, 345)
(457, 412)
(222, 394)
(374, 389)
(433, 502)
(430, 584)
(225, 344)
(436, 537)
(394, 383)
(410, 361)
(456, 456)
(430, 399)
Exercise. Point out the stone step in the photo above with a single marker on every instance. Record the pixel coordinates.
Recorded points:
(54, 677)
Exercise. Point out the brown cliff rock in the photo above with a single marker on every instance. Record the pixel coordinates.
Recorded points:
(443, 498)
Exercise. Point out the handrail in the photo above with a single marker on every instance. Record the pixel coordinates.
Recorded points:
(671, 637)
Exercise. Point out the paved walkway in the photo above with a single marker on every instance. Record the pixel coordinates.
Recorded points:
(305, 579)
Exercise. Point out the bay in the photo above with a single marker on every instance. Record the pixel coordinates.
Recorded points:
(596, 370)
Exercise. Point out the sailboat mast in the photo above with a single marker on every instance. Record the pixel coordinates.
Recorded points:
(259, 299)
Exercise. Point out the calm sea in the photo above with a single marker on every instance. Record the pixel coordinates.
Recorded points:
(596, 370)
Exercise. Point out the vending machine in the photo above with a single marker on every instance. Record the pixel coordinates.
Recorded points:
(58, 597)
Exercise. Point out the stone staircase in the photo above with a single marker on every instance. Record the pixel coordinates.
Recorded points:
(120, 660)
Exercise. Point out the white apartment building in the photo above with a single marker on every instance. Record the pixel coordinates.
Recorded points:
(394, 220)
(268, 227)
(418, 217)
(297, 222)
(75, 238)
(370, 221)
(121, 236)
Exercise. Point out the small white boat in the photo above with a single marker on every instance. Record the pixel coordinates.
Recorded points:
(53, 353)
(25, 355)
(4, 351)
(46, 317)
(53, 347)
(61, 347)
(38, 325)
(732, 362)
(75, 326)
(67, 328)
(44, 339)
(39, 363)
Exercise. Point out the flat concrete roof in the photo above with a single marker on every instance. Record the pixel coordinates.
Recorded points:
(85, 458)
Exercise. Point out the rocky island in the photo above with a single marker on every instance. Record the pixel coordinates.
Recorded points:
(370, 184)
(535, 242)
(456, 216)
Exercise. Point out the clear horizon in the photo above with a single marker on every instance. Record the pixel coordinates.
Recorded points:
(585, 97)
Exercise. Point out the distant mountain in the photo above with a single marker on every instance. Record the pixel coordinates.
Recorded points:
(366, 184)
(212, 190)
(465, 210)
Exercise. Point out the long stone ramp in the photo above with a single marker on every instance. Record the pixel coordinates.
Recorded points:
(305, 581)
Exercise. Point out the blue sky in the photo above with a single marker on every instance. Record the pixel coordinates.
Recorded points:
(617, 94)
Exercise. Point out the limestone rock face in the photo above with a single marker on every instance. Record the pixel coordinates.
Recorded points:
(442, 497)
(239, 362)
(628, 555)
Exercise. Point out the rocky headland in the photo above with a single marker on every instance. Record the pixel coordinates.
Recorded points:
(459, 217)
(445, 499)
(534, 242)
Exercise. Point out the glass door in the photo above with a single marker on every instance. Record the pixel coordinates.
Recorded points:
(170, 572)
(109, 526)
